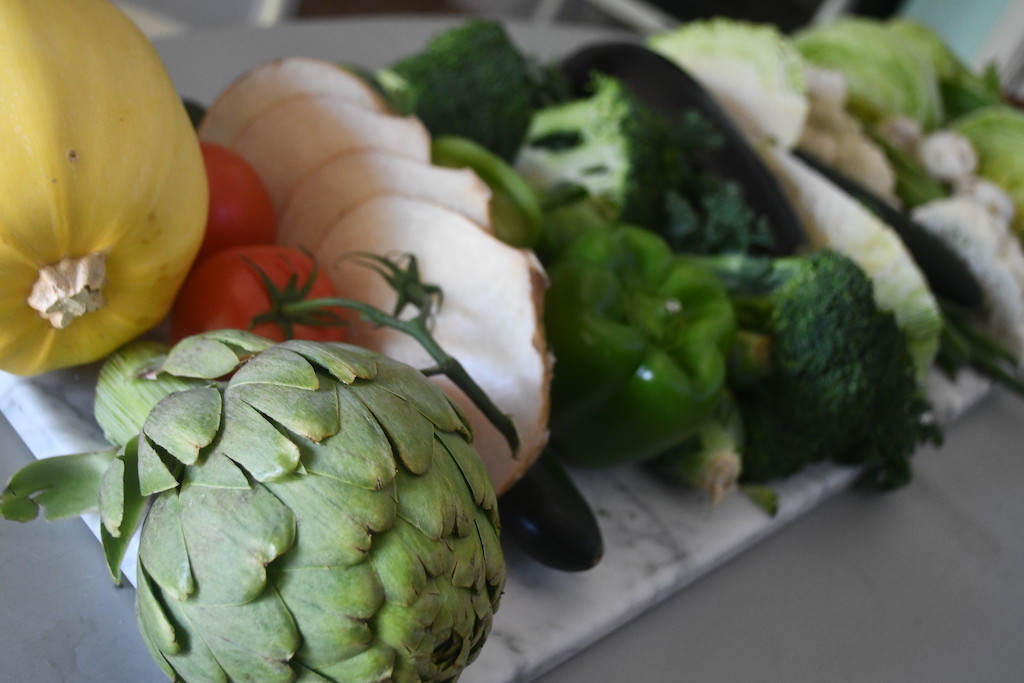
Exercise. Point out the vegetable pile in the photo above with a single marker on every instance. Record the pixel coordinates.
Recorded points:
(425, 293)
(308, 128)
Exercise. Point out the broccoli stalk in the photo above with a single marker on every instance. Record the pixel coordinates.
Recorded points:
(839, 382)
(622, 153)
(711, 460)
(470, 81)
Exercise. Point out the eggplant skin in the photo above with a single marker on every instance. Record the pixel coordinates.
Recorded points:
(547, 516)
(670, 90)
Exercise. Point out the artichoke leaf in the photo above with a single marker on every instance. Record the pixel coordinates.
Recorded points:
(162, 549)
(307, 675)
(185, 422)
(335, 606)
(335, 520)
(453, 645)
(155, 627)
(201, 358)
(122, 507)
(359, 454)
(374, 664)
(63, 486)
(312, 414)
(494, 564)
(278, 366)
(111, 495)
(428, 634)
(254, 641)
(128, 387)
(427, 397)
(468, 567)
(154, 475)
(435, 508)
(473, 472)
(231, 536)
(214, 354)
(436, 556)
(400, 557)
(344, 362)
(195, 663)
(411, 433)
(253, 442)
(242, 342)
(217, 471)
(120, 484)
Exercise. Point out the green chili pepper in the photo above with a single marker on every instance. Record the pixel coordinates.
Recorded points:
(640, 339)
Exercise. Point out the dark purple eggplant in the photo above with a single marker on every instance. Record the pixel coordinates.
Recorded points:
(668, 89)
(546, 515)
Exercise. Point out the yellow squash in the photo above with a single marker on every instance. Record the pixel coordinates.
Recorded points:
(104, 195)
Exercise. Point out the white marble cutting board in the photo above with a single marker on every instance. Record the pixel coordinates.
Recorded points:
(658, 538)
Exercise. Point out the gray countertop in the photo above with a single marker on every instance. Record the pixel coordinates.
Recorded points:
(922, 584)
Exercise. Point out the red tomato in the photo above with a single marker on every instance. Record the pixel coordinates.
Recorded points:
(241, 211)
(225, 291)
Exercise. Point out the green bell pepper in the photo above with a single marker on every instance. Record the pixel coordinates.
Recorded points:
(641, 340)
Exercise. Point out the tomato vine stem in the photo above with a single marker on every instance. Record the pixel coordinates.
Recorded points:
(289, 305)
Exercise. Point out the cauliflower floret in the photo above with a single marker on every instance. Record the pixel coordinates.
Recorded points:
(947, 156)
(993, 255)
(826, 85)
(859, 157)
(902, 132)
(836, 138)
(993, 197)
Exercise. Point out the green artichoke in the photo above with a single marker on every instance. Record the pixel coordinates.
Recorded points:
(317, 512)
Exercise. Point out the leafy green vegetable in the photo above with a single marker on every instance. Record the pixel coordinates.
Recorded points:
(913, 184)
(62, 486)
(713, 217)
(834, 220)
(753, 69)
(886, 75)
(838, 382)
(961, 89)
(470, 81)
(610, 144)
(997, 133)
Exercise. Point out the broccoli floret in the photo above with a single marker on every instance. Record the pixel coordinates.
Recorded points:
(841, 383)
(470, 81)
(621, 152)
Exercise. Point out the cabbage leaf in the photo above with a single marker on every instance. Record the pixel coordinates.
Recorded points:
(886, 75)
(754, 71)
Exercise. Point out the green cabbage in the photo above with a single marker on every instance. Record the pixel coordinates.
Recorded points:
(886, 75)
(997, 133)
(961, 89)
(753, 70)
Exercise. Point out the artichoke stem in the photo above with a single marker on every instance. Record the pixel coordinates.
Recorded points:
(70, 288)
